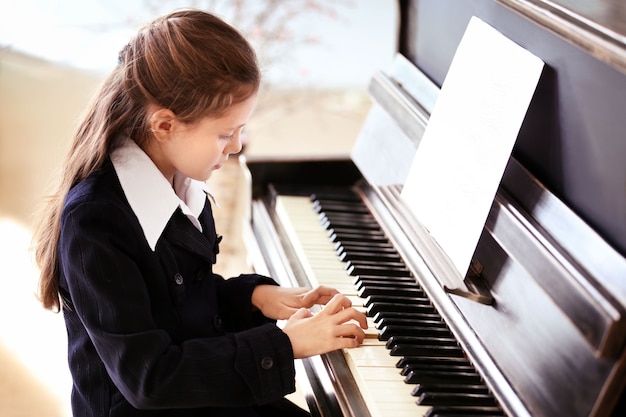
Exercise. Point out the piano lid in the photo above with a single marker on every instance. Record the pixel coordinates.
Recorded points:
(599, 27)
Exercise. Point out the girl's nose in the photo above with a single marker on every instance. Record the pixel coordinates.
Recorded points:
(235, 145)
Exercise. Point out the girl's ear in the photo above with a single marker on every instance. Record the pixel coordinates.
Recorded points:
(161, 123)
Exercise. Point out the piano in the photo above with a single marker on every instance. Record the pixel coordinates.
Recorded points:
(537, 326)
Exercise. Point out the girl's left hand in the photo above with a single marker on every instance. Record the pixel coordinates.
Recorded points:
(280, 303)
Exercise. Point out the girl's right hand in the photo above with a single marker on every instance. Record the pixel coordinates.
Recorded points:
(336, 326)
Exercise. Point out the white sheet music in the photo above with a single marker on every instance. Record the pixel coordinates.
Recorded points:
(469, 138)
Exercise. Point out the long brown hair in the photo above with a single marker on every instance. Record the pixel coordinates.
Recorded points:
(190, 62)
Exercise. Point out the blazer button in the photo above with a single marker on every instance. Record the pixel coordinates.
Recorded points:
(217, 323)
(178, 279)
(267, 362)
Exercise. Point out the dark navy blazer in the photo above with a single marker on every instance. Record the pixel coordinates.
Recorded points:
(157, 332)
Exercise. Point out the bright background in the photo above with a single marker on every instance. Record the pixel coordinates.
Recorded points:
(325, 44)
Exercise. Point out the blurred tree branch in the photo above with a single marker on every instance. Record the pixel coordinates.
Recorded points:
(270, 25)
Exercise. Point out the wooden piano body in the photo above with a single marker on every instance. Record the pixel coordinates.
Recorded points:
(542, 316)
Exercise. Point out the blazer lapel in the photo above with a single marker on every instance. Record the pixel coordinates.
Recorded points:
(181, 232)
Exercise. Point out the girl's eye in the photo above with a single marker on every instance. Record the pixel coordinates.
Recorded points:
(232, 135)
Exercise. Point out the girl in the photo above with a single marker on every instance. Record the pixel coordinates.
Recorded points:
(127, 243)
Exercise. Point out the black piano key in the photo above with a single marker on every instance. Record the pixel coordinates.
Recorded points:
(342, 226)
(382, 285)
(341, 207)
(431, 361)
(451, 367)
(352, 222)
(327, 199)
(464, 414)
(338, 216)
(349, 223)
(382, 281)
(448, 368)
(400, 300)
(424, 320)
(421, 388)
(393, 291)
(336, 194)
(464, 411)
(358, 246)
(351, 255)
(345, 232)
(344, 209)
(389, 326)
(376, 308)
(407, 280)
(355, 227)
(389, 316)
(388, 332)
(425, 350)
(361, 241)
(348, 220)
(383, 269)
(369, 255)
(422, 376)
(365, 254)
(376, 270)
(365, 289)
(337, 212)
(357, 237)
(456, 398)
(428, 321)
(396, 266)
(341, 194)
(419, 340)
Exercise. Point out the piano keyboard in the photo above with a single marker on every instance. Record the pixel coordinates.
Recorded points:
(410, 364)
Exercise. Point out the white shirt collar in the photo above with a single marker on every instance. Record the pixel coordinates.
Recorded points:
(150, 195)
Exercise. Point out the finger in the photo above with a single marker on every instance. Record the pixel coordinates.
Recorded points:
(301, 313)
(337, 303)
(319, 295)
(351, 330)
(325, 291)
(350, 314)
(348, 341)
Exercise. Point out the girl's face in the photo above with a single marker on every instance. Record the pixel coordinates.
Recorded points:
(197, 149)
